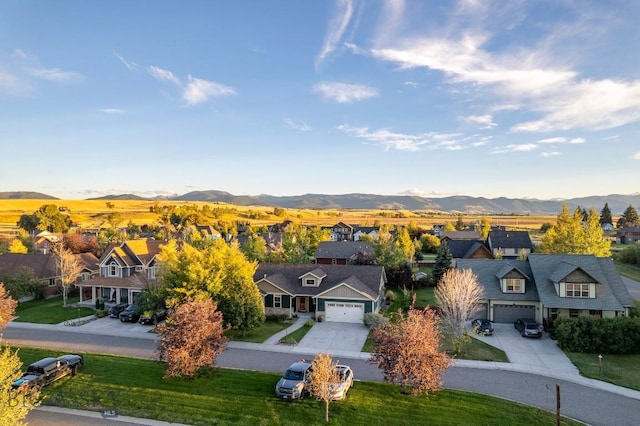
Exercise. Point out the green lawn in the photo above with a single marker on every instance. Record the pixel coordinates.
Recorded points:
(621, 370)
(50, 311)
(135, 387)
(297, 335)
(258, 334)
(629, 271)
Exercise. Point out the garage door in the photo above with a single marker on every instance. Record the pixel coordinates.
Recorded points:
(510, 313)
(344, 312)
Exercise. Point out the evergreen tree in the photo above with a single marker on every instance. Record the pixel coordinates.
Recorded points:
(443, 262)
(459, 223)
(628, 218)
(605, 215)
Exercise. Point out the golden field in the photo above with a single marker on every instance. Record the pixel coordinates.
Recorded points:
(90, 214)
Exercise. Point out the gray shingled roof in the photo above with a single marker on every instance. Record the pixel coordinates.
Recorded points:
(462, 249)
(488, 270)
(611, 293)
(341, 249)
(42, 265)
(499, 238)
(364, 278)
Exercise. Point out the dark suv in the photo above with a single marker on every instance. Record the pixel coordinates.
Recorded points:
(131, 314)
(115, 310)
(48, 370)
(528, 327)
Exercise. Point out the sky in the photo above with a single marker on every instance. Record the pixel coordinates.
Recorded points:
(520, 99)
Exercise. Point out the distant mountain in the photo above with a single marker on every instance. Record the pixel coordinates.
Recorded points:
(25, 195)
(457, 204)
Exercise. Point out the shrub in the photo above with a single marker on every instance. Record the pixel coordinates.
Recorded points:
(276, 317)
(591, 335)
(390, 295)
(101, 313)
(309, 322)
(373, 320)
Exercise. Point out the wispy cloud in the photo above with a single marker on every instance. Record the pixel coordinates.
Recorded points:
(301, 126)
(131, 66)
(549, 153)
(344, 93)
(411, 84)
(412, 192)
(484, 121)
(562, 140)
(337, 26)
(196, 90)
(636, 156)
(14, 86)
(112, 111)
(525, 147)
(416, 142)
(54, 74)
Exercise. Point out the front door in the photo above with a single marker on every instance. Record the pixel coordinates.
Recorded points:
(302, 304)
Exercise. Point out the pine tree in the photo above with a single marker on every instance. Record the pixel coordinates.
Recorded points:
(605, 215)
(628, 218)
(443, 261)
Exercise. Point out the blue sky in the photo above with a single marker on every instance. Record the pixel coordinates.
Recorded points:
(522, 99)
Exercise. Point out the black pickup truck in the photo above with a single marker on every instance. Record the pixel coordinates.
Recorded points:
(48, 370)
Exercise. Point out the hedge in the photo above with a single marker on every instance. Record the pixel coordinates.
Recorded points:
(619, 335)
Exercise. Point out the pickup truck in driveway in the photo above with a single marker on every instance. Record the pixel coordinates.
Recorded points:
(48, 370)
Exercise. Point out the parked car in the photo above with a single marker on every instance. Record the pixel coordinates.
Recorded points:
(130, 314)
(482, 326)
(48, 370)
(528, 327)
(115, 310)
(291, 384)
(339, 390)
(152, 317)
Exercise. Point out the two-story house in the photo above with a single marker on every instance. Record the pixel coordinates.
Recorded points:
(548, 286)
(511, 244)
(126, 269)
(335, 293)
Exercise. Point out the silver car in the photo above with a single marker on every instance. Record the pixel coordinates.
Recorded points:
(291, 384)
(339, 390)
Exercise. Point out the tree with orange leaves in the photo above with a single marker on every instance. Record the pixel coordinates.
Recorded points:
(407, 351)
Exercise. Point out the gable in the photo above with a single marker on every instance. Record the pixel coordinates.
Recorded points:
(345, 292)
(267, 287)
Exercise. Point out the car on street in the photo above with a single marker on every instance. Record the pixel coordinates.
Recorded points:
(482, 326)
(292, 383)
(48, 370)
(130, 314)
(339, 390)
(115, 310)
(528, 327)
(152, 317)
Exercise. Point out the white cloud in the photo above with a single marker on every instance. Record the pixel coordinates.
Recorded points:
(131, 66)
(55, 74)
(163, 75)
(198, 91)
(301, 126)
(526, 147)
(13, 85)
(485, 121)
(112, 110)
(344, 93)
(412, 192)
(562, 140)
(411, 84)
(337, 26)
(549, 153)
(636, 156)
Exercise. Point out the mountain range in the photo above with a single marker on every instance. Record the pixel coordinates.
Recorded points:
(454, 204)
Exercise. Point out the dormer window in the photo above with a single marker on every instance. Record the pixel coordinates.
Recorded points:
(514, 285)
(113, 270)
(577, 290)
(309, 282)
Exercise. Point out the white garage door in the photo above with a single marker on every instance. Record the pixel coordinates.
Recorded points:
(344, 312)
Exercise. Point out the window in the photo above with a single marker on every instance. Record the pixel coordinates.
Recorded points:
(574, 313)
(596, 313)
(84, 276)
(334, 261)
(514, 285)
(113, 271)
(577, 290)
(277, 301)
(310, 282)
(52, 282)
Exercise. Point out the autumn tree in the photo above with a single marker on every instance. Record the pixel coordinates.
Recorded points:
(429, 243)
(405, 244)
(457, 296)
(254, 247)
(219, 271)
(407, 351)
(323, 373)
(485, 227)
(443, 261)
(16, 246)
(68, 267)
(572, 235)
(605, 215)
(192, 337)
(7, 307)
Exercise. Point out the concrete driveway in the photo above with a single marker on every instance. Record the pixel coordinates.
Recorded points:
(334, 337)
(542, 353)
(113, 326)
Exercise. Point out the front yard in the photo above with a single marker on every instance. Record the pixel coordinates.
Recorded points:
(134, 387)
(621, 370)
(50, 311)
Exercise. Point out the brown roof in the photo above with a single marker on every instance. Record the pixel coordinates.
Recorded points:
(43, 266)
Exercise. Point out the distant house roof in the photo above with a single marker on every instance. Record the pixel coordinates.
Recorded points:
(464, 249)
(43, 266)
(365, 279)
(341, 249)
(499, 238)
(460, 235)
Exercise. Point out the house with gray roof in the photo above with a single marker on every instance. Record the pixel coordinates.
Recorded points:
(548, 286)
(469, 249)
(509, 243)
(336, 293)
(340, 252)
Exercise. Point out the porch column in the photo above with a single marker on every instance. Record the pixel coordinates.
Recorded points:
(81, 290)
(93, 295)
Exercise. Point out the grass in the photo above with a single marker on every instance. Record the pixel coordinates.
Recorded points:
(258, 334)
(297, 335)
(629, 271)
(135, 387)
(621, 370)
(50, 311)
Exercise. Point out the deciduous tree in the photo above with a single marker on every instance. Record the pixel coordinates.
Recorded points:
(16, 246)
(572, 235)
(7, 307)
(192, 337)
(323, 372)
(68, 267)
(255, 247)
(407, 351)
(457, 296)
(429, 243)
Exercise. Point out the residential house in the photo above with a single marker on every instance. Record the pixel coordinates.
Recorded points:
(628, 235)
(43, 268)
(459, 235)
(549, 286)
(340, 252)
(369, 231)
(126, 269)
(341, 232)
(468, 249)
(509, 243)
(44, 241)
(335, 293)
(208, 232)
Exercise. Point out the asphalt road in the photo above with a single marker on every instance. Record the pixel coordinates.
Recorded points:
(633, 287)
(592, 406)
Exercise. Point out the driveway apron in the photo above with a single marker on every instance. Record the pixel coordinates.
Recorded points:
(335, 337)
